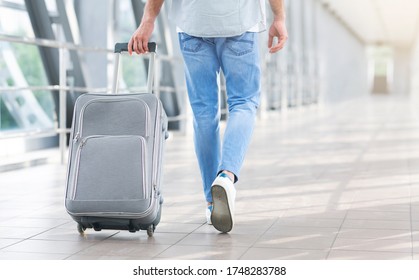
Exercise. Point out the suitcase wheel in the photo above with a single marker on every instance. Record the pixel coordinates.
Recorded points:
(150, 230)
(80, 228)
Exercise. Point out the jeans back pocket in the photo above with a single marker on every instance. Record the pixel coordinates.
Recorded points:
(242, 44)
(190, 43)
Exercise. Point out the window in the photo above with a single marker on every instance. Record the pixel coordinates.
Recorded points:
(21, 67)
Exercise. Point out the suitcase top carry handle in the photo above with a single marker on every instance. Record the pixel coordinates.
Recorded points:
(123, 47)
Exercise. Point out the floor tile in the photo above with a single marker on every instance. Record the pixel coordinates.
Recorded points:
(176, 227)
(316, 212)
(59, 234)
(376, 224)
(219, 240)
(5, 242)
(186, 218)
(32, 223)
(105, 257)
(183, 252)
(284, 254)
(367, 255)
(30, 256)
(296, 242)
(298, 231)
(383, 245)
(362, 233)
(48, 247)
(247, 225)
(306, 221)
(159, 238)
(381, 205)
(122, 248)
(20, 232)
(378, 215)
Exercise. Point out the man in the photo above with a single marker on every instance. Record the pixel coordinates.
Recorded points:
(219, 35)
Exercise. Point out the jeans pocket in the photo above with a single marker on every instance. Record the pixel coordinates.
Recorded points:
(190, 43)
(242, 44)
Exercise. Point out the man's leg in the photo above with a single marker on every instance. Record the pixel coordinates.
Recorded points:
(241, 66)
(201, 70)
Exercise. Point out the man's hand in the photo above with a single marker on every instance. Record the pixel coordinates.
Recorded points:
(139, 40)
(279, 30)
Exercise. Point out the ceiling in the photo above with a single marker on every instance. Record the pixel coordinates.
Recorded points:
(394, 22)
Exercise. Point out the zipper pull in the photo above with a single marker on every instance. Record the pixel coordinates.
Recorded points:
(76, 138)
(83, 142)
(156, 191)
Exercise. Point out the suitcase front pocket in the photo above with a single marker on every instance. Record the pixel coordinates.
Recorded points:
(111, 168)
(115, 116)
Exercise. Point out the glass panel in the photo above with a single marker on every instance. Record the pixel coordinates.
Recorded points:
(23, 109)
(18, 112)
(15, 22)
(7, 122)
(134, 72)
(51, 5)
(125, 21)
(20, 2)
(21, 66)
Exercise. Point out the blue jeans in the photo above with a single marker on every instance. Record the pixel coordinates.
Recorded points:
(238, 58)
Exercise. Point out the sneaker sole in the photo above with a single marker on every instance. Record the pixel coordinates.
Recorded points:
(221, 216)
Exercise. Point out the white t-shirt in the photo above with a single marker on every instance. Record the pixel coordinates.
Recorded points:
(233, 23)
(261, 26)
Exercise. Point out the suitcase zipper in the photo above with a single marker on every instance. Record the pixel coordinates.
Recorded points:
(157, 146)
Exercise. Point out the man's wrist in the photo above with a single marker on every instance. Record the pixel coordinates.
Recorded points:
(148, 20)
(280, 17)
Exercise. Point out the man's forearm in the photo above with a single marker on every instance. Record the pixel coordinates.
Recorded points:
(152, 10)
(278, 9)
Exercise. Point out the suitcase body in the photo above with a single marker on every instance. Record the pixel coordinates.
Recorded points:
(115, 162)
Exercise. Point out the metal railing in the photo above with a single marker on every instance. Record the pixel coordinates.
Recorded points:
(63, 88)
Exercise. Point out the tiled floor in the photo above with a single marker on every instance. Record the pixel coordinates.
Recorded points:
(340, 183)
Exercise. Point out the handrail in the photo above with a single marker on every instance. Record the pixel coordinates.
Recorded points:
(55, 87)
(50, 43)
(63, 88)
(65, 45)
(83, 89)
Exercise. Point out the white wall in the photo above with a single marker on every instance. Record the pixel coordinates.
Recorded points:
(401, 76)
(343, 59)
(414, 69)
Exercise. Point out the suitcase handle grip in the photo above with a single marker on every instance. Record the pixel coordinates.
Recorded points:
(123, 47)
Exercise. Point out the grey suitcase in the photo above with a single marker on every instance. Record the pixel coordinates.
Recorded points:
(115, 158)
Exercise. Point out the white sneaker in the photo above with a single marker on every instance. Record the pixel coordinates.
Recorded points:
(208, 214)
(223, 195)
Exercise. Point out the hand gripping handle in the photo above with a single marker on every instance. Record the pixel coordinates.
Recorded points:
(123, 47)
